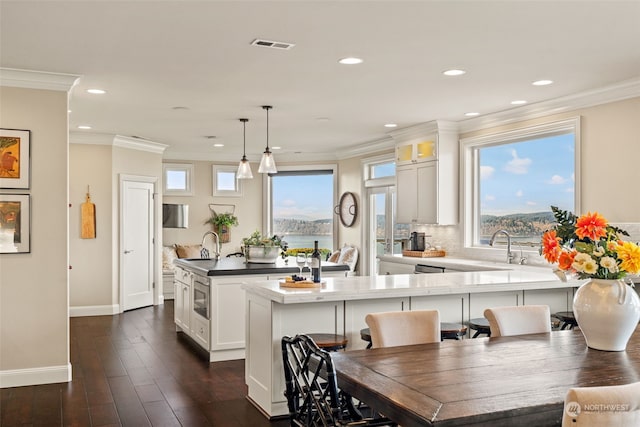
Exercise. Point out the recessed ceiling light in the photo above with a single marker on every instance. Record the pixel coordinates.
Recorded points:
(179, 108)
(323, 119)
(350, 61)
(218, 145)
(471, 114)
(542, 82)
(276, 148)
(84, 127)
(454, 72)
(390, 125)
(96, 91)
(518, 102)
(210, 136)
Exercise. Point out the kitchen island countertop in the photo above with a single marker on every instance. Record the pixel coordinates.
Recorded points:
(238, 266)
(508, 278)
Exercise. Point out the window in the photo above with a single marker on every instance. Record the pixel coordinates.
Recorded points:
(383, 235)
(225, 181)
(514, 177)
(177, 179)
(301, 205)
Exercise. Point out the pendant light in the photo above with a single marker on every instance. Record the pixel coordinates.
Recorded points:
(244, 168)
(268, 163)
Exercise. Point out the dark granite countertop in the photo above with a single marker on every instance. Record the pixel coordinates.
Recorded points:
(238, 266)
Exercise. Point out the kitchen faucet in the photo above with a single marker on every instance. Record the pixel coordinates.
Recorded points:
(204, 253)
(509, 254)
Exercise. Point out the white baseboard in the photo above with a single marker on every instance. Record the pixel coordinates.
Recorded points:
(35, 376)
(94, 310)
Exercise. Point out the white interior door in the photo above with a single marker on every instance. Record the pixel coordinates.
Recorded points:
(386, 235)
(136, 244)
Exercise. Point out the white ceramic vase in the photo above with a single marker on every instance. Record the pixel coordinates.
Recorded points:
(607, 312)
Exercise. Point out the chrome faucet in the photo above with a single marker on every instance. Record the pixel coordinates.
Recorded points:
(204, 253)
(509, 254)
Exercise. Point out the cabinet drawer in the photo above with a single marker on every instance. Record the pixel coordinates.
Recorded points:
(200, 330)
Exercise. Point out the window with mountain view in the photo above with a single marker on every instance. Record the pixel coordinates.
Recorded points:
(302, 207)
(517, 177)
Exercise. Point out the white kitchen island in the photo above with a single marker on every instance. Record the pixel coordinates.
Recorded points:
(341, 305)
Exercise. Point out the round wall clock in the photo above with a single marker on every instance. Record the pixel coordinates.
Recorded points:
(347, 209)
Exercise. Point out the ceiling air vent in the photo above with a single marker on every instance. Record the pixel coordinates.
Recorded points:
(272, 44)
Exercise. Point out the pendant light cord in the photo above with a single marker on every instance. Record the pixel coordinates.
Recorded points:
(267, 107)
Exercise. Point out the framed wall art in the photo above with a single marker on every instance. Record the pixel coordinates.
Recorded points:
(15, 223)
(14, 158)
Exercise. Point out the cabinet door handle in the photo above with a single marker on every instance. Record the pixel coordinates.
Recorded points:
(128, 252)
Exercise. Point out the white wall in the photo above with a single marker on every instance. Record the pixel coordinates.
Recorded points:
(248, 208)
(90, 280)
(34, 325)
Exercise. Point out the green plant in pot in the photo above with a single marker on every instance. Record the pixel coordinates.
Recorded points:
(222, 223)
(262, 249)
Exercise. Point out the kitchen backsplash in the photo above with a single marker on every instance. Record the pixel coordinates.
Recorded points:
(450, 239)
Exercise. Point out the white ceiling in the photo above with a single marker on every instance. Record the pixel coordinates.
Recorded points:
(153, 56)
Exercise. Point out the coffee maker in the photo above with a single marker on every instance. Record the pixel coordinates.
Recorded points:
(416, 242)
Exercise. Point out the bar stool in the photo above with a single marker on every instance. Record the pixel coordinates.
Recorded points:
(329, 342)
(567, 319)
(452, 331)
(480, 325)
(448, 331)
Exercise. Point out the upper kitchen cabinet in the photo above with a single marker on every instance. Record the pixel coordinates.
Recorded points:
(415, 152)
(427, 174)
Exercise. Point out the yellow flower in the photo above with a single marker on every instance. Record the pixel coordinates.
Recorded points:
(629, 254)
(590, 267)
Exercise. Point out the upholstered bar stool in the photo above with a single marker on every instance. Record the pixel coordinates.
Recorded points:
(329, 342)
(480, 325)
(567, 319)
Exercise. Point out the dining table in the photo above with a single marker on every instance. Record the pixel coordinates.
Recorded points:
(497, 381)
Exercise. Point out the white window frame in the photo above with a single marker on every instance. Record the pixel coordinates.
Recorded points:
(217, 192)
(470, 187)
(187, 168)
(267, 219)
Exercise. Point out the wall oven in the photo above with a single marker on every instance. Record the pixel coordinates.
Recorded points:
(201, 295)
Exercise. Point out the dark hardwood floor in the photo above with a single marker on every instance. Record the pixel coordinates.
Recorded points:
(133, 369)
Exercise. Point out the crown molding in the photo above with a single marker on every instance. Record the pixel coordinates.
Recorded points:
(366, 148)
(29, 79)
(617, 92)
(90, 138)
(139, 144)
(116, 141)
(423, 129)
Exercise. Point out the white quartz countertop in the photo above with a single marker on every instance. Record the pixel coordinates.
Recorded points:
(509, 278)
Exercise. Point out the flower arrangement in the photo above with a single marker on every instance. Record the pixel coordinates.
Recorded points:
(589, 247)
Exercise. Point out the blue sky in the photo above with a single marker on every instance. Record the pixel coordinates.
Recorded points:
(528, 176)
(308, 197)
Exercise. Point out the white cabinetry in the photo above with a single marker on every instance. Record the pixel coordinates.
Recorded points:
(182, 302)
(386, 267)
(427, 179)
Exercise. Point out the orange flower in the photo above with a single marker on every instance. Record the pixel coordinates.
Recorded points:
(629, 254)
(592, 226)
(550, 246)
(565, 260)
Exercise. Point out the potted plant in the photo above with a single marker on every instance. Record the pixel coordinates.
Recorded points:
(221, 223)
(262, 249)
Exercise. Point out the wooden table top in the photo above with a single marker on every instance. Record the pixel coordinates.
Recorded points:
(518, 380)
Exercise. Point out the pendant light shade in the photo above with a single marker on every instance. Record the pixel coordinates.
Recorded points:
(268, 163)
(244, 168)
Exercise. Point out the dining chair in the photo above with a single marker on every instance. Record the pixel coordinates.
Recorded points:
(617, 405)
(518, 320)
(311, 388)
(393, 328)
